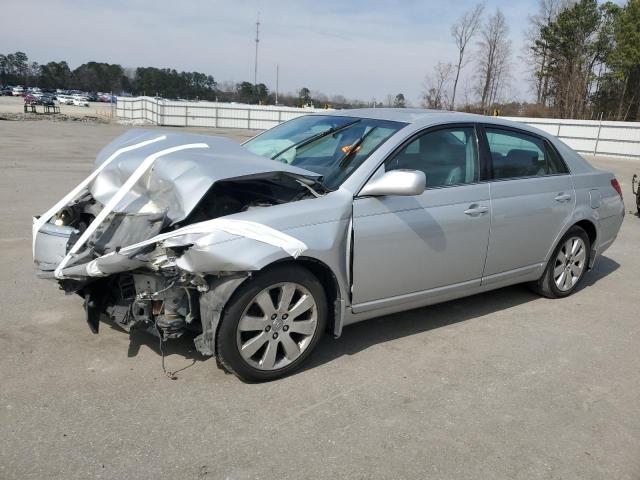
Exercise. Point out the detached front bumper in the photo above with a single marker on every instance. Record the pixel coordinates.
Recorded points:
(52, 244)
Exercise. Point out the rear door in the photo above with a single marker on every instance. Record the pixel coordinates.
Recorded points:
(532, 199)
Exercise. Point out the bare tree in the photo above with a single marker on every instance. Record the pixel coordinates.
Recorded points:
(390, 98)
(494, 55)
(338, 100)
(436, 86)
(321, 98)
(462, 31)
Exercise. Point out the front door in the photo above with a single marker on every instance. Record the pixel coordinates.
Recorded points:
(404, 245)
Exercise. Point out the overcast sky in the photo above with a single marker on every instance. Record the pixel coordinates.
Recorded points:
(358, 48)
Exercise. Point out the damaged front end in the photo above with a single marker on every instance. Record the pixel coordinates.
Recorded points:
(154, 238)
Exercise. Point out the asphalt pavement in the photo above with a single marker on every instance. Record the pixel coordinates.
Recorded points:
(500, 385)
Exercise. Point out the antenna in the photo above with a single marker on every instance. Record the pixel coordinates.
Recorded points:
(277, 81)
(255, 68)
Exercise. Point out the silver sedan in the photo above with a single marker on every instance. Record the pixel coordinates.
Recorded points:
(323, 221)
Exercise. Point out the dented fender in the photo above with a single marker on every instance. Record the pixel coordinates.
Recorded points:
(169, 225)
(205, 252)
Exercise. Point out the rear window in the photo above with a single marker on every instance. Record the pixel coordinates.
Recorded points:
(516, 155)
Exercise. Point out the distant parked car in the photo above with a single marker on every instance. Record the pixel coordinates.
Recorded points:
(35, 99)
(106, 98)
(6, 91)
(64, 99)
(76, 99)
(80, 101)
(79, 94)
(17, 91)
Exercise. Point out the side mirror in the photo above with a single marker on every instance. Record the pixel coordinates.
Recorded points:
(396, 182)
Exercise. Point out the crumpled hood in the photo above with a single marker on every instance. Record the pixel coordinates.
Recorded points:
(175, 182)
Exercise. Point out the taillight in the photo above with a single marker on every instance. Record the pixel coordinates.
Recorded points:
(616, 185)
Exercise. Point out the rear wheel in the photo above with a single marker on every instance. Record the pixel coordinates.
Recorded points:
(272, 324)
(567, 265)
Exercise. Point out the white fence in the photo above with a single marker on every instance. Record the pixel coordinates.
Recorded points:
(593, 137)
(617, 139)
(173, 113)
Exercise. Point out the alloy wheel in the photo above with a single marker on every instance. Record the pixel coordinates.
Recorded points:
(277, 326)
(569, 264)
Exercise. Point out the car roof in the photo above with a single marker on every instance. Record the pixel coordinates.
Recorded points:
(407, 115)
(423, 117)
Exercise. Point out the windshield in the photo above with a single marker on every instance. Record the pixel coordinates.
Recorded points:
(331, 146)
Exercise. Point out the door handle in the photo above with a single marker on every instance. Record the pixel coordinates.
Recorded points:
(563, 197)
(476, 210)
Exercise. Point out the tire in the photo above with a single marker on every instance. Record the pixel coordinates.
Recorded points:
(552, 284)
(272, 324)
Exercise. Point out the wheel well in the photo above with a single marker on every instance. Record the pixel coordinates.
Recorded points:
(326, 277)
(590, 228)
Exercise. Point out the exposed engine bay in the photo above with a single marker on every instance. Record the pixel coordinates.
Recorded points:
(166, 304)
(137, 239)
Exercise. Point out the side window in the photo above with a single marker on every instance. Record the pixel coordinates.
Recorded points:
(516, 154)
(556, 164)
(447, 157)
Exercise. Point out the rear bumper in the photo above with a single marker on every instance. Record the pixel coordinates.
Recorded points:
(608, 231)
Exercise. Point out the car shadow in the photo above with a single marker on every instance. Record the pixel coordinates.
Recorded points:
(602, 268)
(182, 346)
(360, 336)
(179, 346)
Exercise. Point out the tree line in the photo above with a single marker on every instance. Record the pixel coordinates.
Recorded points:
(584, 60)
(16, 69)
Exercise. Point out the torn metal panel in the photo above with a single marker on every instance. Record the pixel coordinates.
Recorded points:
(124, 147)
(145, 173)
(266, 245)
(118, 197)
(123, 229)
(241, 255)
(177, 185)
(212, 304)
(204, 233)
(168, 226)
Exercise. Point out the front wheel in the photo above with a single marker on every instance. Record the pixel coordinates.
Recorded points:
(272, 323)
(567, 265)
